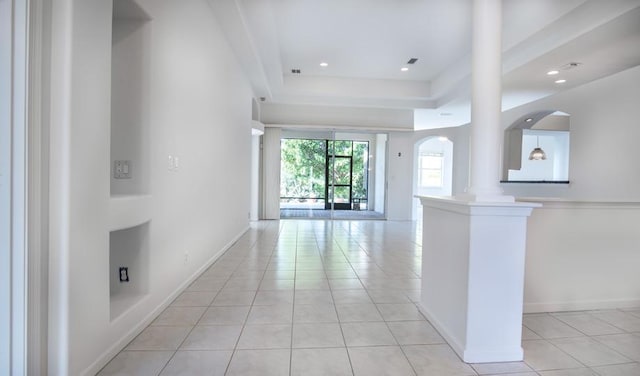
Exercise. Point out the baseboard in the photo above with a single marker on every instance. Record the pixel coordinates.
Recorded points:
(584, 305)
(471, 355)
(496, 355)
(106, 357)
(451, 340)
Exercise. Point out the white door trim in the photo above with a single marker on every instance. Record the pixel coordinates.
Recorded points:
(14, 15)
(37, 199)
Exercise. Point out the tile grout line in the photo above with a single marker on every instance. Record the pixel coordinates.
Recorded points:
(235, 347)
(335, 308)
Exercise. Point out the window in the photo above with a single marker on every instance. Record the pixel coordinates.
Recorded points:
(430, 167)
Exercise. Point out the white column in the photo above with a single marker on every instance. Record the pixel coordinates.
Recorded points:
(473, 248)
(271, 172)
(486, 100)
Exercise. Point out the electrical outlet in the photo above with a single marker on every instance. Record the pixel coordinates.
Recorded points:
(186, 257)
(124, 274)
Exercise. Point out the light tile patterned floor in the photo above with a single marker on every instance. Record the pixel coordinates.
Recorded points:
(312, 297)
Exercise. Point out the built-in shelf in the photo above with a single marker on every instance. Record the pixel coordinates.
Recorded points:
(128, 248)
(127, 211)
(130, 204)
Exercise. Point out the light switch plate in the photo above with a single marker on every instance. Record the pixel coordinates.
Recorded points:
(122, 169)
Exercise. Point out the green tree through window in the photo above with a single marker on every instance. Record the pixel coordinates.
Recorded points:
(360, 169)
(303, 168)
(304, 162)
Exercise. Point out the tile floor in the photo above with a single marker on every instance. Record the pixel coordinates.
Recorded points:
(313, 297)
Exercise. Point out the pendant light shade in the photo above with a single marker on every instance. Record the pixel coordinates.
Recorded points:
(537, 153)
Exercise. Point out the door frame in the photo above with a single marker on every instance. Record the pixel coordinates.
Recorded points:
(329, 178)
(330, 184)
(14, 72)
(25, 31)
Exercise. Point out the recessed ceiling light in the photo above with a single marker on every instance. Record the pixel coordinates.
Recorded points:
(442, 139)
(404, 69)
(446, 114)
(552, 72)
(528, 120)
(560, 81)
(324, 64)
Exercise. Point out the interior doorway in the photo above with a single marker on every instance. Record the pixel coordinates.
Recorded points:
(433, 171)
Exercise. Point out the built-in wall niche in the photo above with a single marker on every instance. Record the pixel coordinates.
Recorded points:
(128, 267)
(545, 132)
(129, 99)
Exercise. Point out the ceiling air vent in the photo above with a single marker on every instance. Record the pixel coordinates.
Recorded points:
(570, 66)
(412, 60)
(295, 71)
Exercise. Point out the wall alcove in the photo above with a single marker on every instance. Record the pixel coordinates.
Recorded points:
(128, 248)
(130, 206)
(129, 104)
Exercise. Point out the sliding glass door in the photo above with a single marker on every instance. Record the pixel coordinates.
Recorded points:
(327, 177)
(339, 175)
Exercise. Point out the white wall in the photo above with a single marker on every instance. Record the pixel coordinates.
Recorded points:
(581, 256)
(400, 194)
(400, 176)
(380, 180)
(130, 103)
(331, 116)
(604, 117)
(200, 110)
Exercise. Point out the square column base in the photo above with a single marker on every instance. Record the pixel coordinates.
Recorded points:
(473, 275)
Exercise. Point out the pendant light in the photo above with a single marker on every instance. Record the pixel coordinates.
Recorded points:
(537, 153)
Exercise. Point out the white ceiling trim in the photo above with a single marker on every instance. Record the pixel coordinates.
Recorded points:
(338, 101)
(338, 127)
(232, 22)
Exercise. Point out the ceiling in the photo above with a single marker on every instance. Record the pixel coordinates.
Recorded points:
(366, 43)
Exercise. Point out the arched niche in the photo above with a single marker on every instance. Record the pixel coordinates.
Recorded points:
(550, 131)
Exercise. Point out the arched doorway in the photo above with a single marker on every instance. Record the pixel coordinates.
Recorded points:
(433, 169)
